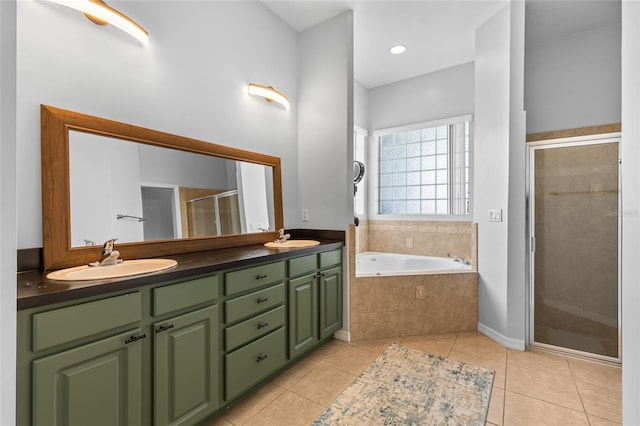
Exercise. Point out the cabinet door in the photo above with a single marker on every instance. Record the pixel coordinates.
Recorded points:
(330, 301)
(95, 384)
(186, 367)
(303, 314)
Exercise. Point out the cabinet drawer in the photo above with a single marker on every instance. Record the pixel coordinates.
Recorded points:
(245, 306)
(247, 279)
(330, 258)
(75, 322)
(302, 265)
(252, 363)
(254, 327)
(182, 295)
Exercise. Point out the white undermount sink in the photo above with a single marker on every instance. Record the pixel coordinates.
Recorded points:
(125, 269)
(292, 244)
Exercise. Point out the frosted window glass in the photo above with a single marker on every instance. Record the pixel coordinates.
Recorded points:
(386, 140)
(400, 151)
(399, 179)
(386, 166)
(413, 192)
(442, 146)
(429, 163)
(413, 163)
(442, 207)
(429, 134)
(429, 177)
(386, 207)
(400, 138)
(428, 192)
(428, 148)
(386, 180)
(399, 165)
(441, 192)
(442, 176)
(441, 161)
(428, 207)
(413, 207)
(400, 207)
(413, 136)
(399, 192)
(386, 193)
(413, 150)
(441, 132)
(413, 178)
(386, 153)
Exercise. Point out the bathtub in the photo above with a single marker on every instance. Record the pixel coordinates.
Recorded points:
(372, 264)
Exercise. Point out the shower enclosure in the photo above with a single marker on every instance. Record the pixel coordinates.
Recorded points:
(574, 228)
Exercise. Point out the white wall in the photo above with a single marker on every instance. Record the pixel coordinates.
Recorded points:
(191, 80)
(497, 82)
(7, 211)
(630, 154)
(573, 81)
(360, 105)
(441, 94)
(325, 135)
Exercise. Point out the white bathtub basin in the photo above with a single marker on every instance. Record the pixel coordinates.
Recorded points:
(124, 269)
(292, 244)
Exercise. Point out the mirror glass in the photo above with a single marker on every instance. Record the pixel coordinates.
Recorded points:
(137, 192)
(157, 193)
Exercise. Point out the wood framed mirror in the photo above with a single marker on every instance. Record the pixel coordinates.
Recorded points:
(159, 194)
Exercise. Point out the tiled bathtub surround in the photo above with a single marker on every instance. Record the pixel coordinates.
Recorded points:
(426, 238)
(384, 307)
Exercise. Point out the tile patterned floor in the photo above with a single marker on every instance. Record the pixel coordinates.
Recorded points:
(530, 388)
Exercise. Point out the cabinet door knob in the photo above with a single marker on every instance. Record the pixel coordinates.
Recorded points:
(261, 276)
(164, 327)
(134, 338)
(262, 357)
(262, 325)
(262, 299)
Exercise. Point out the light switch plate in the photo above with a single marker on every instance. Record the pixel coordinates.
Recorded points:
(495, 215)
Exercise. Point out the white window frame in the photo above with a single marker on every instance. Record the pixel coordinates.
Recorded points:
(374, 177)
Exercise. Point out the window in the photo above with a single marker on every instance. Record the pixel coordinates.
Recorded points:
(424, 169)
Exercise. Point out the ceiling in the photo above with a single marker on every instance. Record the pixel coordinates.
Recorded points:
(438, 33)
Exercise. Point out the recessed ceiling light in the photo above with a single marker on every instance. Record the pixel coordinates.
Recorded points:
(397, 50)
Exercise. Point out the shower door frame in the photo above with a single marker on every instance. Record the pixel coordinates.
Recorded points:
(567, 142)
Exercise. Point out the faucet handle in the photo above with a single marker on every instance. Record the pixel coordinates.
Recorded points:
(108, 246)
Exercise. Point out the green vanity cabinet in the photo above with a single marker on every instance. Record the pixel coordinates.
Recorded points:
(95, 384)
(330, 301)
(185, 367)
(303, 314)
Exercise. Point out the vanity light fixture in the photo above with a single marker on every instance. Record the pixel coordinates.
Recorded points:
(269, 94)
(98, 12)
(398, 50)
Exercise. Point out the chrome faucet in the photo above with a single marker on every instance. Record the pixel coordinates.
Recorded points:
(282, 237)
(109, 254)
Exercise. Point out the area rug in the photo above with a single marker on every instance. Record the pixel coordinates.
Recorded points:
(404, 386)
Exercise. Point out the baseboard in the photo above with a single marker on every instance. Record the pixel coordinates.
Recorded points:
(505, 341)
(343, 335)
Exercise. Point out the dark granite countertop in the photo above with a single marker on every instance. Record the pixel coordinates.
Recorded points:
(35, 290)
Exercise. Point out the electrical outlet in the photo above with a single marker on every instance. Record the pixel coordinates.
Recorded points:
(305, 215)
(420, 292)
(495, 215)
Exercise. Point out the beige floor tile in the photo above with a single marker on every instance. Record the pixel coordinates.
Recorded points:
(249, 407)
(321, 354)
(498, 365)
(323, 384)
(547, 385)
(496, 406)
(351, 359)
(290, 376)
(436, 344)
(520, 410)
(376, 345)
(477, 343)
(601, 402)
(596, 374)
(288, 409)
(596, 421)
(537, 360)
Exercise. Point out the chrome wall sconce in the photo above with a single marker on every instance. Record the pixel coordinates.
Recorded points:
(98, 12)
(269, 94)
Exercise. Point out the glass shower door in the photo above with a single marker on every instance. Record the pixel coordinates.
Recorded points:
(575, 260)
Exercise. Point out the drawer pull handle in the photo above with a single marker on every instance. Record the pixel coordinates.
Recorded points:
(262, 357)
(164, 327)
(262, 325)
(261, 276)
(135, 338)
(262, 299)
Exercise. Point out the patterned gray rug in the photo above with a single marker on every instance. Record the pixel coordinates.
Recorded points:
(404, 386)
